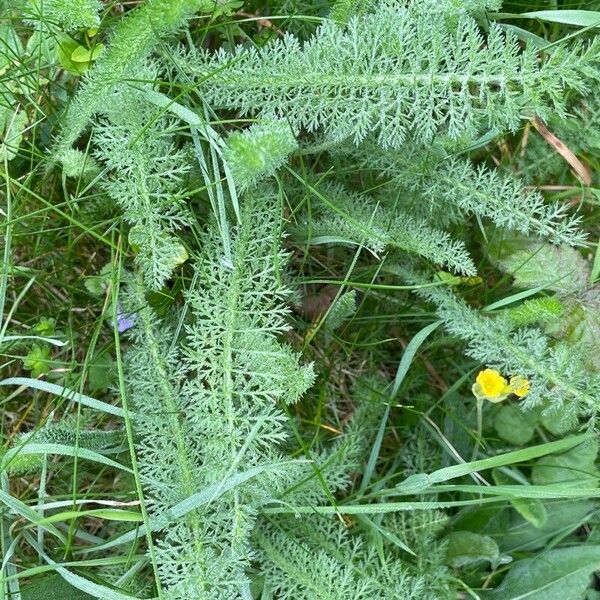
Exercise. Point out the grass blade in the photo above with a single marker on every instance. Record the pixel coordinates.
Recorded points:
(65, 393)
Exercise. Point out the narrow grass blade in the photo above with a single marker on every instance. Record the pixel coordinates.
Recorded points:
(60, 449)
(513, 298)
(579, 18)
(107, 514)
(65, 393)
(85, 585)
(409, 354)
(14, 338)
(189, 504)
(21, 509)
(405, 362)
(544, 492)
(420, 481)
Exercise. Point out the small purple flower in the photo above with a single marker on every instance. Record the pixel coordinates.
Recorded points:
(124, 321)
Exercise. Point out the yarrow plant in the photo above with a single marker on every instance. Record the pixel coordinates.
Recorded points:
(254, 255)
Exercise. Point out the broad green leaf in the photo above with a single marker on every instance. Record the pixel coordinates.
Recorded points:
(97, 284)
(563, 517)
(96, 51)
(559, 421)
(172, 252)
(219, 7)
(575, 465)
(579, 326)
(81, 54)
(531, 509)
(466, 548)
(514, 426)
(52, 587)
(595, 265)
(65, 47)
(537, 265)
(560, 574)
(11, 42)
(38, 360)
(101, 372)
(180, 255)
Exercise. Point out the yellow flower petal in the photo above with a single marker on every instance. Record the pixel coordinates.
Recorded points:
(519, 386)
(492, 384)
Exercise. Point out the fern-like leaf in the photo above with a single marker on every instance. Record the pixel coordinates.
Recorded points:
(131, 42)
(321, 560)
(354, 219)
(145, 177)
(449, 187)
(67, 14)
(213, 412)
(259, 151)
(402, 70)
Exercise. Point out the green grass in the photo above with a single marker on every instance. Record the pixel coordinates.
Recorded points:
(75, 520)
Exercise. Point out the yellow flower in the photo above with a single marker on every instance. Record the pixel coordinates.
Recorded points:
(519, 386)
(490, 385)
